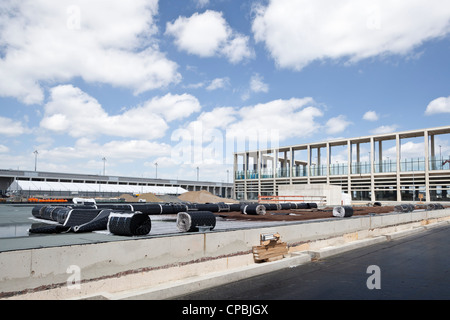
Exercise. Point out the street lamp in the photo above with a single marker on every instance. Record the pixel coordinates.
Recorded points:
(35, 159)
(104, 166)
(197, 173)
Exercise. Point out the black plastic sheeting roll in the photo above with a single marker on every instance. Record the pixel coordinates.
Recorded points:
(235, 207)
(78, 217)
(190, 221)
(100, 222)
(343, 211)
(129, 224)
(253, 209)
(51, 228)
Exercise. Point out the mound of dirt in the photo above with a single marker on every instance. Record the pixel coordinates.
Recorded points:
(203, 196)
(148, 197)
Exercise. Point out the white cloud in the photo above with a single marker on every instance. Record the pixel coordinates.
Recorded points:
(208, 34)
(257, 84)
(3, 149)
(86, 148)
(384, 129)
(72, 111)
(370, 116)
(218, 83)
(287, 118)
(46, 41)
(8, 127)
(439, 105)
(337, 124)
(299, 32)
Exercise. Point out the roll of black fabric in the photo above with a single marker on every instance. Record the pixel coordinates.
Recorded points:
(100, 222)
(254, 209)
(285, 206)
(212, 207)
(270, 206)
(235, 207)
(129, 224)
(47, 213)
(312, 205)
(77, 217)
(116, 206)
(37, 211)
(302, 205)
(343, 211)
(190, 221)
(51, 228)
(60, 214)
(148, 208)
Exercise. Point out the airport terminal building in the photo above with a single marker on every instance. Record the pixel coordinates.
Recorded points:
(401, 166)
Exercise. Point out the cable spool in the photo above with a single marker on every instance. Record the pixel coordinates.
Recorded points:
(191, 221)
(254, 209)
(129, 224)
(343, 212)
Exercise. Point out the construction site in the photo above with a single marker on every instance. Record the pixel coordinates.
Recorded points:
(121, 238)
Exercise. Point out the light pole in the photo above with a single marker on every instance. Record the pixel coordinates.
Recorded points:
(156, 170)
(197, 173)
(35, 159)
(104, 166)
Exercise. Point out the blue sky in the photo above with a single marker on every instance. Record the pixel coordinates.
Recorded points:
(173, 82)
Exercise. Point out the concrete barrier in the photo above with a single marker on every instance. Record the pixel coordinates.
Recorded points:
(113, 267)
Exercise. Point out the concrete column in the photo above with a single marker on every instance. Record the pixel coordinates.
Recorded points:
(397, 159)
(380, 155)
(274, 168)
(245, 174)
(291, 164)
(328, 161)
(349, 166)
(308, 160)
(372, 178)
(427, 161)
(433, 155)
(259, 171)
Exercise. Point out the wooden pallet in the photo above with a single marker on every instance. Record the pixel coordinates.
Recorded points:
(270, 250)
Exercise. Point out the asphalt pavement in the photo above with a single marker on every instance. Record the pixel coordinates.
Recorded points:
(415, 267)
